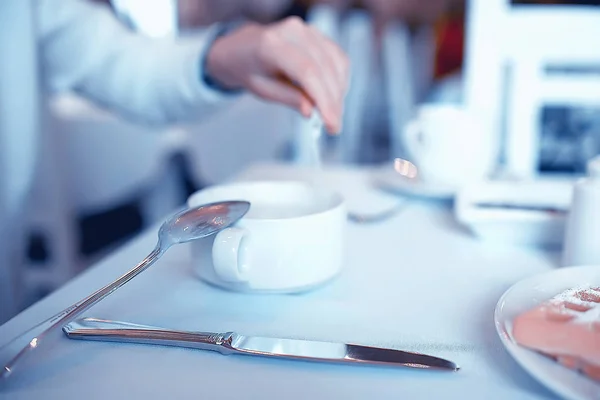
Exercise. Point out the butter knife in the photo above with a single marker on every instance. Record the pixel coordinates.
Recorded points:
(233, 343)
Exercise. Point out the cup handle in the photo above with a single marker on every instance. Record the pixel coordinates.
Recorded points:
(229, 255)
(413, 138)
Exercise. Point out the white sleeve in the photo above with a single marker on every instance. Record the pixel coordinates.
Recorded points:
(84, 48)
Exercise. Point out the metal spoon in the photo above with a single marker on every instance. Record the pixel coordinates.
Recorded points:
(183, 226)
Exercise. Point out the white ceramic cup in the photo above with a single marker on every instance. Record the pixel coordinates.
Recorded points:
(448, 146)
(291, 240)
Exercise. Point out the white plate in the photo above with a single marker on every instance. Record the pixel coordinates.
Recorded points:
(388, 179)
(527, 294)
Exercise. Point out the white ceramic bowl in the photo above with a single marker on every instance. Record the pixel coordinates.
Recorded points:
(291, 240)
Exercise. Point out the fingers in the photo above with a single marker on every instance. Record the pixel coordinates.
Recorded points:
(280, 91)
(310, 61)
(312, 47)
(301, 69)
(336, 58)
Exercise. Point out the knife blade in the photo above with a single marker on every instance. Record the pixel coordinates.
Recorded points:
(234, 343)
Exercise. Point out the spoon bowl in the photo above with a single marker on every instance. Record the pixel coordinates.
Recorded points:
(199, 222)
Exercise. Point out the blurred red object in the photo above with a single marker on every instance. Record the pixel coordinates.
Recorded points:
(450, 34)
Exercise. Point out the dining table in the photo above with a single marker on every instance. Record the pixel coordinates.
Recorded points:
(416, 281)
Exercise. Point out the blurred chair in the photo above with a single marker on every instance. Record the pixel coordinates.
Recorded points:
(51, 219)
(109, 161)
(515, 54)
(92, 161)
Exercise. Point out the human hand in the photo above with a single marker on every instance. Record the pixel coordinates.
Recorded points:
(286, 62)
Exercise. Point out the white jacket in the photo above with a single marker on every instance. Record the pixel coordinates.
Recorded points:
(53, 45)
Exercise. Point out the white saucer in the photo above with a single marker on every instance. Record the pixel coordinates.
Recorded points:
(527, 294)
(388, 179)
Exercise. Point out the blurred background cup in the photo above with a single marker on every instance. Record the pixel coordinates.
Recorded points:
(448, 146)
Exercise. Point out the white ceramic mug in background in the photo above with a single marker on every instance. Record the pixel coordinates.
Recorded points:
(448, 146)
(291, 240)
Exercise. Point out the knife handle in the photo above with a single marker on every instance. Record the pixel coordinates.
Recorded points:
(114, 331)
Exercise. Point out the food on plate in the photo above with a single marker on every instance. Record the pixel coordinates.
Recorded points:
(565, 327)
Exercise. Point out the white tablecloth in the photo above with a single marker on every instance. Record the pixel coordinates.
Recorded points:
(418, 282)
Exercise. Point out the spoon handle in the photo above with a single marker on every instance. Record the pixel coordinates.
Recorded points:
(37, 333)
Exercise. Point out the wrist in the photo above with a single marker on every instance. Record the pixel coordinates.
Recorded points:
(216, 72)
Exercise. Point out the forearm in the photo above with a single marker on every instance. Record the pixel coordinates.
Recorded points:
(85, 49)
